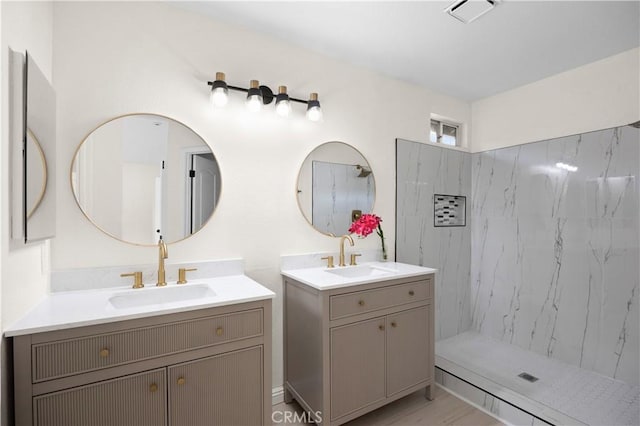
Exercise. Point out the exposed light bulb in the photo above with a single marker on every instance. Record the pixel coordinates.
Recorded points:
(283, 105)
(219, 96)
(219, 91)
(254, 96)
(254, 103)
(314, 113)
(283, 108)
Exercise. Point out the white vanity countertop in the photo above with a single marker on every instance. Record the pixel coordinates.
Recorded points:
(71, 309)
(323, 278)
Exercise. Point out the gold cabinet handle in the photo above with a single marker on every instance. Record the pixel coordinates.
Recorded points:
(381, 327)
(219, 331)
(361, 302)
(181, 381)
(153, 387)
(393, 324)
(104, 353)
(411, 293)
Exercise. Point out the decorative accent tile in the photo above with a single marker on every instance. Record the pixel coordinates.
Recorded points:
(449, 210)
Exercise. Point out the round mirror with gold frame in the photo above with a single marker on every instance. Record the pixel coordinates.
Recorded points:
(335, 186)
(139, 177)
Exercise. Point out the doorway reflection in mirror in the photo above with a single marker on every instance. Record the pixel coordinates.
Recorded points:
(143, 175)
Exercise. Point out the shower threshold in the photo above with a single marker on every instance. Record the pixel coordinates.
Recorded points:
(488, 372)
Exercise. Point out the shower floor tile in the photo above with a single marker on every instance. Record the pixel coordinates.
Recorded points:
(585, 396)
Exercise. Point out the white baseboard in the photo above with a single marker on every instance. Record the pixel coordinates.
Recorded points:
(277, 395)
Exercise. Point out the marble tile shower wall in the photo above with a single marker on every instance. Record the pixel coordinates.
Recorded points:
(555, 256)
(422, 171)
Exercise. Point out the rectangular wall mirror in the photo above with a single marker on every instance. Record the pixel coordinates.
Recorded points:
(33, 144)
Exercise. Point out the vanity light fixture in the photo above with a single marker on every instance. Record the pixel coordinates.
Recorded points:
(258, 95)
(314, 113)
(254, 96)
(219, 91)
(283, 104)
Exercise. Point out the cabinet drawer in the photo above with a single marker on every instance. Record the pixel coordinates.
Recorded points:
(73, 356)
(344, 305)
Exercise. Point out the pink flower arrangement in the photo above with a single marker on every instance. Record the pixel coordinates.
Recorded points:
(365, 225)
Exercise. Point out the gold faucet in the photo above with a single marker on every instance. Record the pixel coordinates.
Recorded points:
(137, 278)
(344, 237)
(163, 253)
(182, 274)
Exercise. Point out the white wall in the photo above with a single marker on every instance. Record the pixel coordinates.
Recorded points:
(24, 272)
(117, 58)
(596, 96)
(25, 26)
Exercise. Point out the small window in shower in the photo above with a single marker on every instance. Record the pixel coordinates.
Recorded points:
(444, 133)
(449, 210)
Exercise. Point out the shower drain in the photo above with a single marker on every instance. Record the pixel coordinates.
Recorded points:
(528, 377)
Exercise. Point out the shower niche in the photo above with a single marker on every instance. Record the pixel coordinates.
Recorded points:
(449, 210)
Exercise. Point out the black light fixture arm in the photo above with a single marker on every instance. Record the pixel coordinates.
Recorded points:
(267, 93)
(258, 95)
(302, 101)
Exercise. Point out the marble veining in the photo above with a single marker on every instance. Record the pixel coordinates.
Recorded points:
(554, 265)
(338, 189)
(549, 259)
(423, 171)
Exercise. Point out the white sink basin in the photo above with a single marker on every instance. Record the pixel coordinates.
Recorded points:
(323, 278)
(360, 271)
(160, 295)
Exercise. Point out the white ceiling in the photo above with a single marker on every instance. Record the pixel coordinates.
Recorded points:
(516, 43)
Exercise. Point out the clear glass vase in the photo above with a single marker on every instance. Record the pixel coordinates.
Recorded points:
(384, 250)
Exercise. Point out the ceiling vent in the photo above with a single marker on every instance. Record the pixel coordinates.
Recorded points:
(468, 11)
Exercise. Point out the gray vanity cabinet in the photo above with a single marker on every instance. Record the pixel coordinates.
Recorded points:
(357, 366)
(138, 399)
(353, 349)
(409, 344)
(220, 390)
(203, 367)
